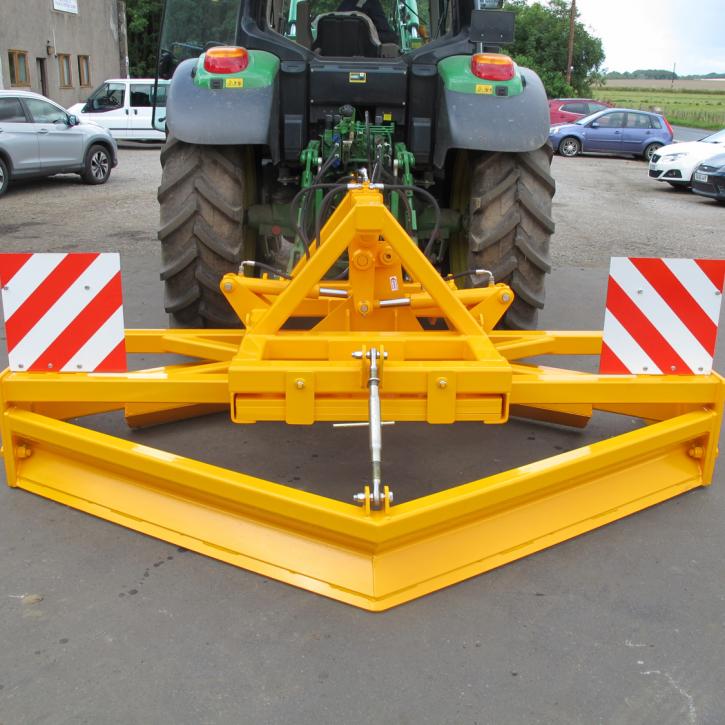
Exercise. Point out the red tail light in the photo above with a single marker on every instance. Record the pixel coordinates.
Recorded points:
(492, 66)
(226, 60)
(669, 128)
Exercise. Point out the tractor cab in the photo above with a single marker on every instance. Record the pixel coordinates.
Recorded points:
(294, 94)
(327, 28)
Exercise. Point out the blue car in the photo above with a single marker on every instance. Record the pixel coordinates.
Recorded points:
(709, 178)
(620, 131)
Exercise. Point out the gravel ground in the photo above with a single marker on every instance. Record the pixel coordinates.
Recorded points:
(99, 624)
(62, 214)
(604, 206)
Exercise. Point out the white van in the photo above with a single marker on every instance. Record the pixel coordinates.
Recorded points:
(125, 106)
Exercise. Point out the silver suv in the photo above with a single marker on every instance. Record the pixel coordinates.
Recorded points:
(40, 138)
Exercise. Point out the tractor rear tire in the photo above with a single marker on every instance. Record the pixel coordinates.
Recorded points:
(510, 225)
(202, 199)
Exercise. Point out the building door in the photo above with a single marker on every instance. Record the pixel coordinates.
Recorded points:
(42, 76)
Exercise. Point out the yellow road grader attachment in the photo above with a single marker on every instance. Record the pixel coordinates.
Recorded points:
(393, 341)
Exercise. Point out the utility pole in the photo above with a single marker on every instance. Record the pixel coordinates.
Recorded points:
(570, 54)
(122, 37)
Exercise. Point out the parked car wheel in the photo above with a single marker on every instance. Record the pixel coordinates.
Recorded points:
(98, 165)
(570, 146)
(4, 177)
(649, 151)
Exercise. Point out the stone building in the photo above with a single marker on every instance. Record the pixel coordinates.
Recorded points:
(60, 48)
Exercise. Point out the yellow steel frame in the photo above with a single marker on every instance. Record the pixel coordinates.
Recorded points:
(374, 559)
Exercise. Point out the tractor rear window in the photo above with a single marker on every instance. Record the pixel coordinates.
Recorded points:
(192, 26)
(402, 25)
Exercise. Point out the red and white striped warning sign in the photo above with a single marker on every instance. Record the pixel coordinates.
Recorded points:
(63, 312)
(662, 316)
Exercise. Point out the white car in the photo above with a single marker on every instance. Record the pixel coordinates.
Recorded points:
(125, 107)
(676, 163)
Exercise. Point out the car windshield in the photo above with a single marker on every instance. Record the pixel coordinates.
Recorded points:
(587, 119)
(718, 137)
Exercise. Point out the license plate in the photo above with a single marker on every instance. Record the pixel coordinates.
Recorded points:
(484, 88)
(700, 176)
(234, 83)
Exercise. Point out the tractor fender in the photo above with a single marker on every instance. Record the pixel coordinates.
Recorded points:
(247, 116)
(512, 124)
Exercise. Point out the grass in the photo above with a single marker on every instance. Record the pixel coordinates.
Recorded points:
(681, 106)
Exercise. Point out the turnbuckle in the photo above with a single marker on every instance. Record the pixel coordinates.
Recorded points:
(381, 496)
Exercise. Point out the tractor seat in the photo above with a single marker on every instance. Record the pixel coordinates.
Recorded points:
(345, 35)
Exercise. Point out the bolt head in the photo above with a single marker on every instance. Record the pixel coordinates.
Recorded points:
(364, 309)
(442, 383)
(50, 366)
(299, 383)
(228, 286)
(87, 287)
(505, 297)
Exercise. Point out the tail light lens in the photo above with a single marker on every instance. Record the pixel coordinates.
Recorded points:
(226, 60)
(492, 66)
(669, 128)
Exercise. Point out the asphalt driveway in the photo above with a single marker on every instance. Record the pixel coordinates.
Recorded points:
(626, 624)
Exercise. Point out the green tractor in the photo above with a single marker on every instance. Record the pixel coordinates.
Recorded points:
(271, 101)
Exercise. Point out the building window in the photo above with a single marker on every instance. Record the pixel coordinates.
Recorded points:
(64, 70)
(19, 73)
(84, 71)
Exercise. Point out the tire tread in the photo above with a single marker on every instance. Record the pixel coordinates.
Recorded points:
(202, 211)
(510, 226)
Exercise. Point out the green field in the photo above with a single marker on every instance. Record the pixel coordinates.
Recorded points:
(682, 106)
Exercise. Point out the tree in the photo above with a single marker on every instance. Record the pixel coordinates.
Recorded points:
(542, 32)
(143, 21)
(190, 25)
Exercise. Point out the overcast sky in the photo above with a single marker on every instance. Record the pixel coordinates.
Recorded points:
(657, 33)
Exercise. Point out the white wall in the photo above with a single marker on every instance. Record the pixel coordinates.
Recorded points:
(31, 25)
